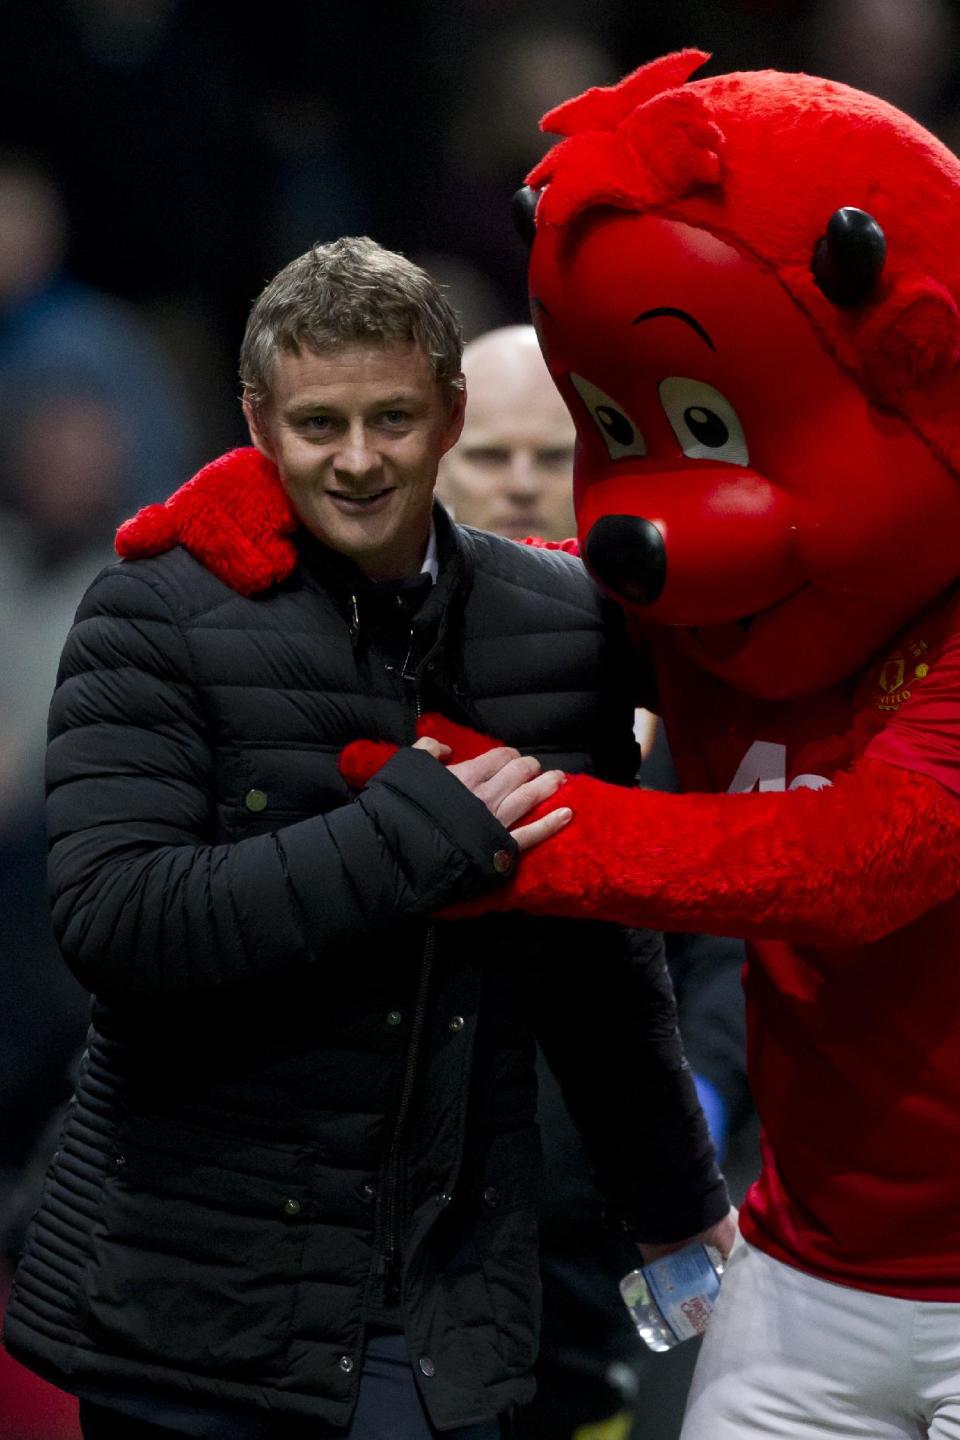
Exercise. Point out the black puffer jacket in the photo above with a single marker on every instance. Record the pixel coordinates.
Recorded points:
(298, 1092)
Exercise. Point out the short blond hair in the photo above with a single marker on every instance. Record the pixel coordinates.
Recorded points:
(348, 291)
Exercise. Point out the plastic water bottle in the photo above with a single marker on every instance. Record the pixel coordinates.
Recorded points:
(672, 1298)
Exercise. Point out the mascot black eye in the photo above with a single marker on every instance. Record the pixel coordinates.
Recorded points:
(704, 421)
(616, 424)
(707, 426)
(620, 435)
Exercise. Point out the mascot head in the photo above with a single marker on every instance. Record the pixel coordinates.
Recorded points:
(746, 289)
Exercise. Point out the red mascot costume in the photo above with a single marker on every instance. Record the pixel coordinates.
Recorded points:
(746, 290)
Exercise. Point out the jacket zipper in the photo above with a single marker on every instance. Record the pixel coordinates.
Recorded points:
(390, 1260)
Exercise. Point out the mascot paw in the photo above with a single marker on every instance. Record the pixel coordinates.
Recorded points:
(361, 759)
(464, 743)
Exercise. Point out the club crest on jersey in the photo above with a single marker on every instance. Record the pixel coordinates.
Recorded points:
(898, 673)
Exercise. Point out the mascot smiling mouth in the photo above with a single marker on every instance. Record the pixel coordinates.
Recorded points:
(725, 641)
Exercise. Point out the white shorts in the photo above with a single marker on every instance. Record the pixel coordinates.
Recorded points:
(793, 1357)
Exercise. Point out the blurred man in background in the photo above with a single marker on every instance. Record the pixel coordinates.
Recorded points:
(511, 471)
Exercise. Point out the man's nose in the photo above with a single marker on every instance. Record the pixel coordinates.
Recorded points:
(522, 481)
(356, 455)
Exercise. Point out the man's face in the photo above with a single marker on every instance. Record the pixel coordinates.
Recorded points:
(512, 471)
(357, 434)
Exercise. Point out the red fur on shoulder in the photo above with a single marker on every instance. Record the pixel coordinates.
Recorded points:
(233, 516)
(841, 866)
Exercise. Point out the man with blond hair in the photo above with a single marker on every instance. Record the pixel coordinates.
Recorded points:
(295, 1195)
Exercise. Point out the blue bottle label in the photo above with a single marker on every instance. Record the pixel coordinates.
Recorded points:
(671, 1299)
(684, 1286)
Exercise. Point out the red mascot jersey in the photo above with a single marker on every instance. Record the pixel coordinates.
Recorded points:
(854, 1053)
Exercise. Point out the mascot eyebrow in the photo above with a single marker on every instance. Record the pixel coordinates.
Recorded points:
(669, 311)
(673, 313)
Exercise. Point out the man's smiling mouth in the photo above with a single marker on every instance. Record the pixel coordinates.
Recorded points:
(359, 502)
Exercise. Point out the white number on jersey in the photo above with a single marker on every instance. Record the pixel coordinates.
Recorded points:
(764, 767)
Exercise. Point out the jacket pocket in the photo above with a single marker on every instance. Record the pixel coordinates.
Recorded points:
(194, 1266)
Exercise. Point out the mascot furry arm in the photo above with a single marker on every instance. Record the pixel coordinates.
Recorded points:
(864, 858)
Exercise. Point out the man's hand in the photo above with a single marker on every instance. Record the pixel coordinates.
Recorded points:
(722, 1235)
(510, 785)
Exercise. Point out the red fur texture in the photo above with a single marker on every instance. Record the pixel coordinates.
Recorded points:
(837, 867)
(233, 516)
(464, 743)
(604, 106)
(361, 759)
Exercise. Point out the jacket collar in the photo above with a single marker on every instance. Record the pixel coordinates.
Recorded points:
(361, 599)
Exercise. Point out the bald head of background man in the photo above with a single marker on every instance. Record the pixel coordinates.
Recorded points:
(512, 470)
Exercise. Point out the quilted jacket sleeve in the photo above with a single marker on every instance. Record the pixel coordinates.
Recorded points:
(144, 904)
(613, 1045)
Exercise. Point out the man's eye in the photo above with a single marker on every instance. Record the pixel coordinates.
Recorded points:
(318, 422)
(396, 417)
(486, 454)
(558, 458)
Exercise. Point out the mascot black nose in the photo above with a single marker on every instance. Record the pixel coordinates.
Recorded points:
(627, 555)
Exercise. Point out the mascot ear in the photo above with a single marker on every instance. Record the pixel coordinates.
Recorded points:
(524, 210)
(849, 257)
(904, 338)
(912, 337)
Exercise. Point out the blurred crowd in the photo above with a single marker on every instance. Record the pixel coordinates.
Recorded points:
(159, 159)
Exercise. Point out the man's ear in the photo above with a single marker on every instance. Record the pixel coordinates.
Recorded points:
(259, 433)
(458, 408)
